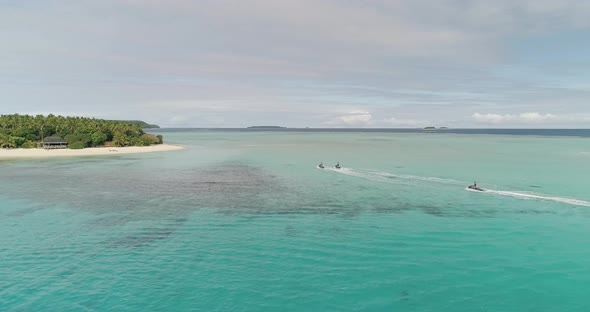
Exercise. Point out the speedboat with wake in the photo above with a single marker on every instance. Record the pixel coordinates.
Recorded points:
(474, 187)
(337, 166)
(321, 165)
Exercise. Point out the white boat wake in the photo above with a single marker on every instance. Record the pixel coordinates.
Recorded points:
(534, 196)
(393, 178)
(419, 178)
(364, 175)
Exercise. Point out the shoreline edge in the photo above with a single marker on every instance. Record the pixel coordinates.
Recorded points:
(23, 153)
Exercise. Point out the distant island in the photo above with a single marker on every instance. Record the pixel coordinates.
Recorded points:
(266, 127)
(52, 132)
(434, 128)
(142, 124)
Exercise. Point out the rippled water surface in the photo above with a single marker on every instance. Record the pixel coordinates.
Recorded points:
(245, 221)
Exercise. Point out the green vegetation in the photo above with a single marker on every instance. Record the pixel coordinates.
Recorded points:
(25, 131)
(147, 139)
(76, 145)
(29, 144)
(142, 124)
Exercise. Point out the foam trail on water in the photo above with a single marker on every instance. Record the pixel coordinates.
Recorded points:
(385, 177)
(364, 175)
(419, 178)
(521, 195)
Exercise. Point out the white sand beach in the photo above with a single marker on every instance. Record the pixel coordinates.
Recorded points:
(93, 151)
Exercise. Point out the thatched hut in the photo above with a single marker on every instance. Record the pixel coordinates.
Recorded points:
(54, 142)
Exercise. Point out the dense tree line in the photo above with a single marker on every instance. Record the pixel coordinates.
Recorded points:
(143, 124)
(26, 131)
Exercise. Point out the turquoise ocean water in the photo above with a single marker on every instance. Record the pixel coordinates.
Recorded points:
(245, 221)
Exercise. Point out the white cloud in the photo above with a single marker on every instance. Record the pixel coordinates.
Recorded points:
(299, 62)
(400, 122)
(535, 117)
(179, 120)
(530, 117)
(353, 119)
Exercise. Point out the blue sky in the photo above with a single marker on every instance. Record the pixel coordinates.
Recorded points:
(300, 63)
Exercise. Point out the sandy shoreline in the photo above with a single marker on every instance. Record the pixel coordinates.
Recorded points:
(92, 151)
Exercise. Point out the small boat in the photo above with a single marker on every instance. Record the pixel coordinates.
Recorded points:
(337, 166)
(321, 166)
(475, 187)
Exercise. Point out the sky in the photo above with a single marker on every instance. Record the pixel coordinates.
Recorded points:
(300, 63)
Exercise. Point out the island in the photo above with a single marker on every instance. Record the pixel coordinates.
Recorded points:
(51, 135)
(142, 124)
(266, 127)
(429, 128)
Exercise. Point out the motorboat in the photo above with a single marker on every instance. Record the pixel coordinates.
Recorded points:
(337, 166)
(321, 166)
(475, 187)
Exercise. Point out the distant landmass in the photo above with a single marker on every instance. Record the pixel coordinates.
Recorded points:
(140, 123)
(266, 127)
